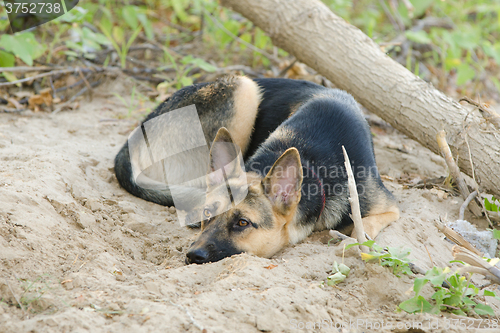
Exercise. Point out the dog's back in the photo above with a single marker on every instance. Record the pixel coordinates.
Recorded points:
(250, 109)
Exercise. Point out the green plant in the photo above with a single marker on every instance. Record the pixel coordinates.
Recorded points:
(393, 257)
(493, 205)
(136, 104)
(182, 68)
(22, 45)
(458, 297)
(339, 274)
(116, 35)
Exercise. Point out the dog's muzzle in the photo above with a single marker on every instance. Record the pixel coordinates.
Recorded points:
(197, 256)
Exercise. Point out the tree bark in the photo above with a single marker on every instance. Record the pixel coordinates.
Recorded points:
(352, 61)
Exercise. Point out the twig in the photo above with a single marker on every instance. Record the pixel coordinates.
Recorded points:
(429, 254)
(12, 110)
(284, 70)
(72, 99)
(389, 15)
(245, 69)
(52, 87)
(465, 204)
(455, 171)
(456, 238)
(77, 83)
(28, 69)
(471, 258)
(250, 46)
(488, 114)
(475, 182)
(479, 270)
(86, 82)
(359, 230)
(62, 71)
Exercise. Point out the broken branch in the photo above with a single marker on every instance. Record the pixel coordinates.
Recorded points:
(455, 171)
(359, 230)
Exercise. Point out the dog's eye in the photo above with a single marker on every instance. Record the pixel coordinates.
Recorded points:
(207, 213)
(243, 223)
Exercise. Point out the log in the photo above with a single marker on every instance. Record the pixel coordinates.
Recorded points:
(342, 53)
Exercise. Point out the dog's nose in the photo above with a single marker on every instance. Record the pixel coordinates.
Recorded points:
(197, 256)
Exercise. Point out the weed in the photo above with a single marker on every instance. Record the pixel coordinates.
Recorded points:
(459, 297)
(395, 258)
(339, 274)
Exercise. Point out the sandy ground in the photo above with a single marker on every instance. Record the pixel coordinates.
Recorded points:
(80, 254)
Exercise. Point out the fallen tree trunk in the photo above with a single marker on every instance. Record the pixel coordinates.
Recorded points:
(352, 61)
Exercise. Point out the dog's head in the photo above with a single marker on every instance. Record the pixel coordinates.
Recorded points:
(245, 212)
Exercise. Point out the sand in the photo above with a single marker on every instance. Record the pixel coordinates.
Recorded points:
(80, 254)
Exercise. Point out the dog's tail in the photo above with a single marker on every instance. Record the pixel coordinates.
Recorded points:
(162, 194)
(125, 176)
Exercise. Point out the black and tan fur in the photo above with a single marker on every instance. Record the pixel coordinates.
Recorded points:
(290, 133)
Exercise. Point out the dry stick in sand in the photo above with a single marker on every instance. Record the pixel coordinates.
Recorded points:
(359, 230)
(478, 264)
(456, 238)
(467, 253)
(455, 171)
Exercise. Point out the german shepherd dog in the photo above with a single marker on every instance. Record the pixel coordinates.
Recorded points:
(293, 180)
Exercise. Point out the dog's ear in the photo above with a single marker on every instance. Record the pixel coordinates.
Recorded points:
(282, 185)
(225, 158)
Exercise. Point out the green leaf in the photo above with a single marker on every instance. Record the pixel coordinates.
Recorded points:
(489, 293)
(129, 14)
(491, 206)
(7, 59)
(420, 6)
(439, 296)
(368, 243)
(344, 269)
(24, 46)
(118, 34)
(335, 278)
(436, 275)
(178, 7)
(468, 301)
(203, 65)
(465, 73)
(106, 25)
(416, 305)
(75, 15)
(247, 37)
(71, 53)
(72, 45)
(418, 284)
(483, 310)
(492, 51)
(420, 37)
(453, 300)
(146, 23)
(186, 81)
